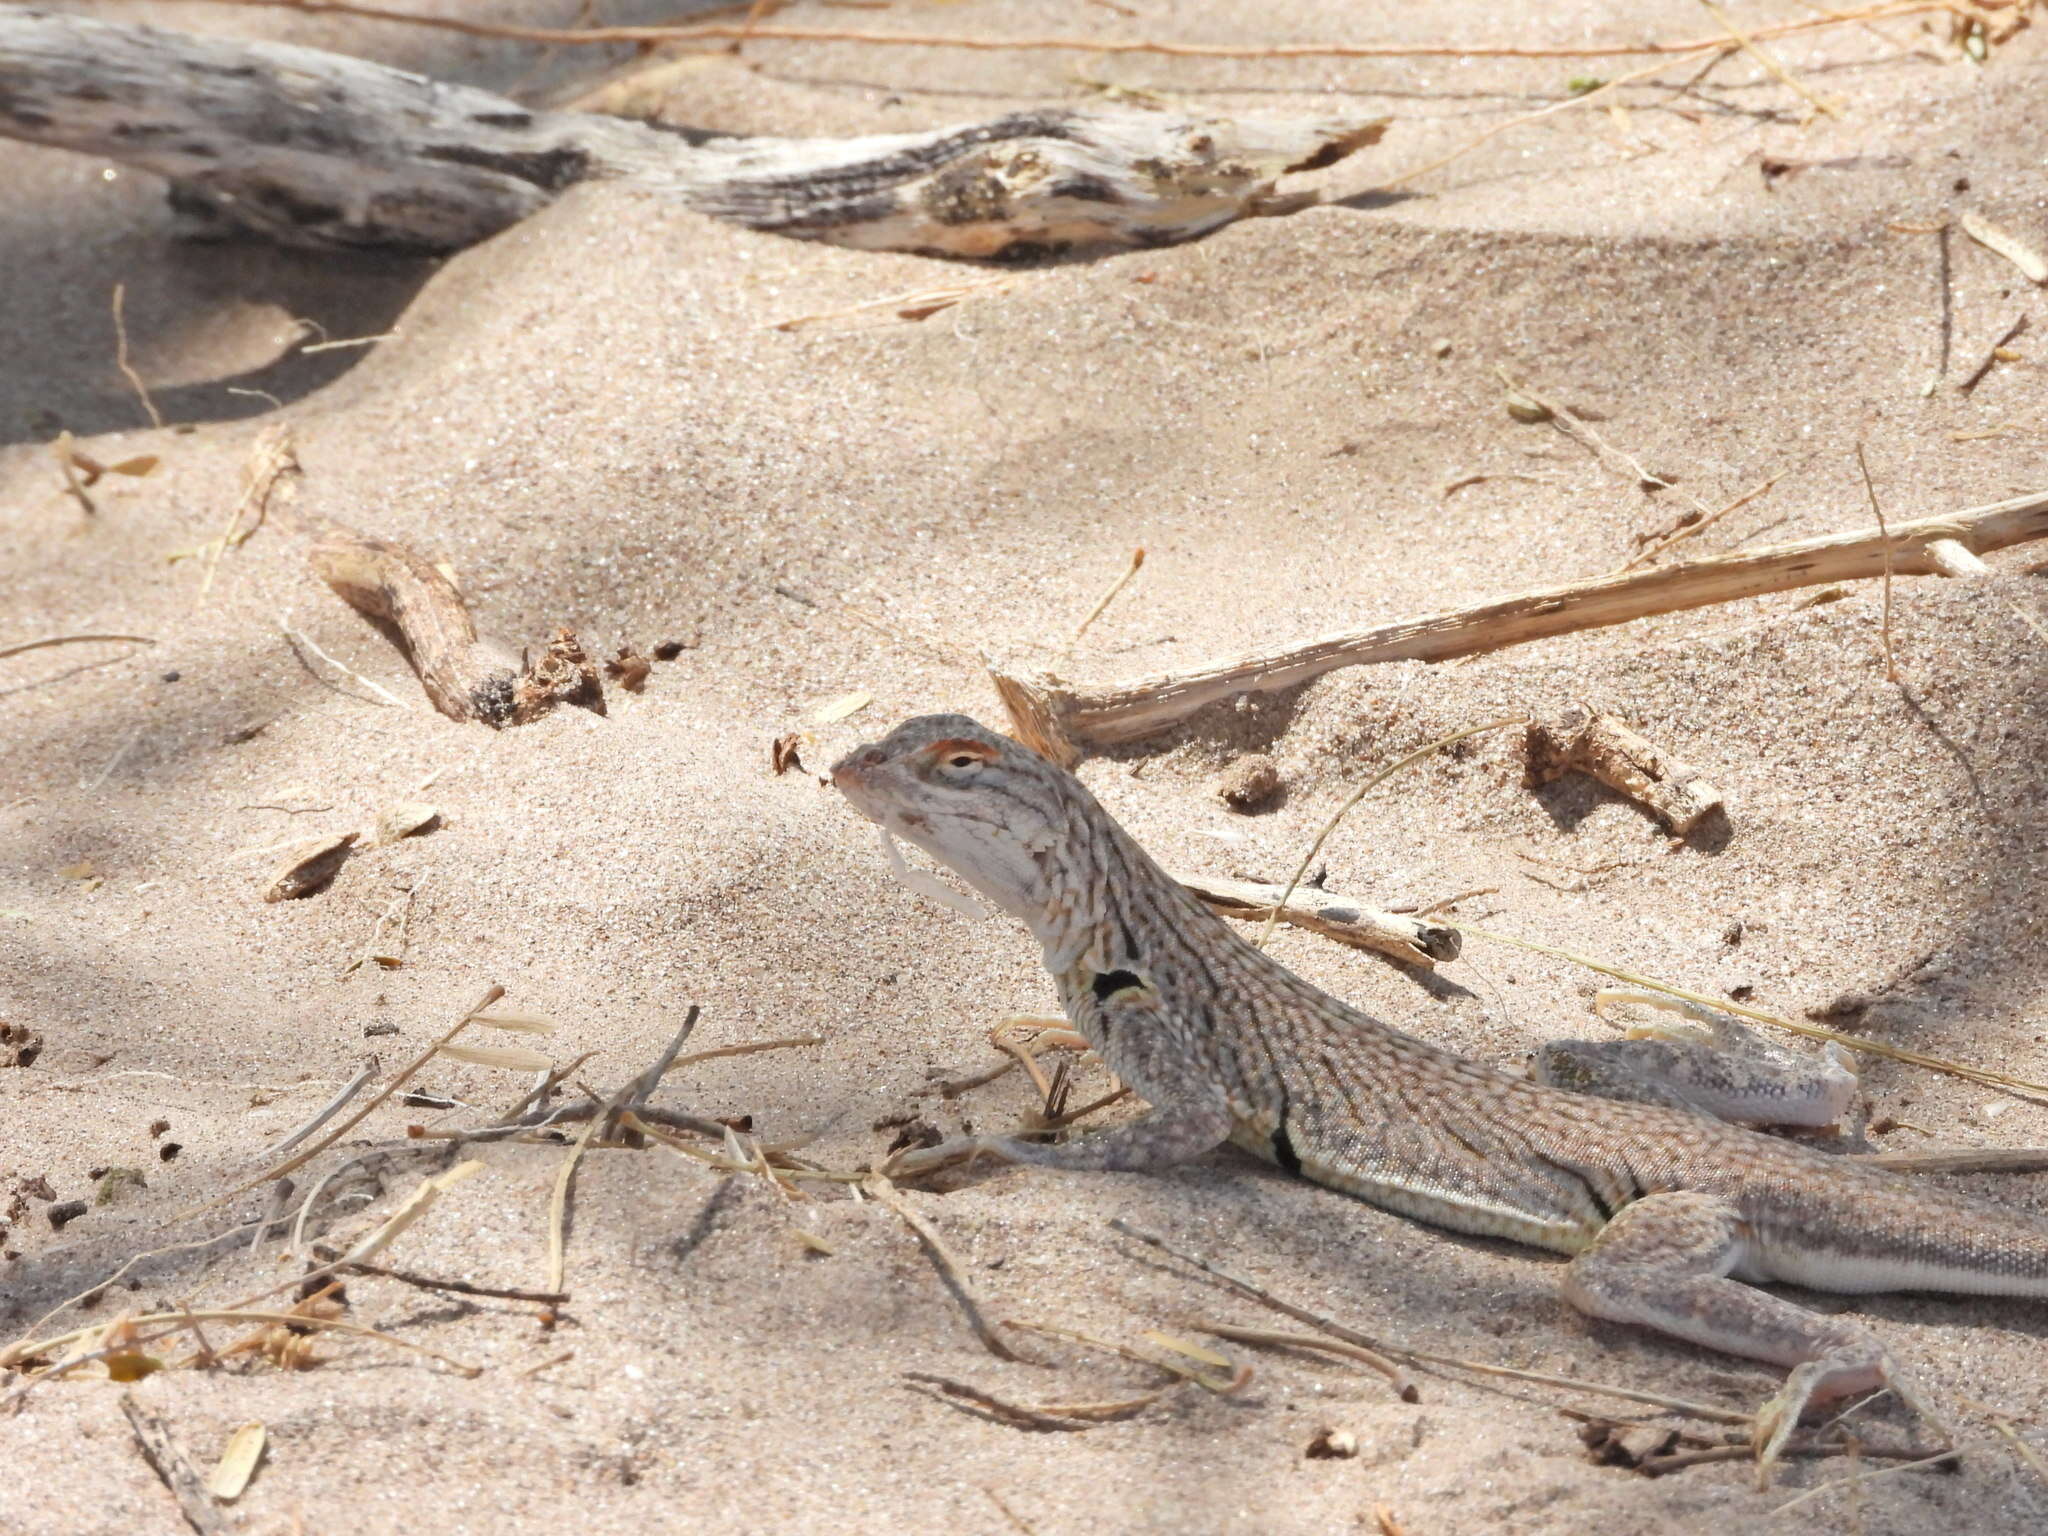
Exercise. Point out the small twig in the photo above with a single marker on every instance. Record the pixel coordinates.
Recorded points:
(1700, 525)
(749, 1048)
(641, 1088)
(49, 640)
(1404, 1387)
(1301, 869)
(458, 1287)
(156, 419)
(165, 1458)
(327, 1111)
(1891, 669)
(1577, 428)
(950, 1272)
(558, 1201)
(1080, 629)
(1863, 1477)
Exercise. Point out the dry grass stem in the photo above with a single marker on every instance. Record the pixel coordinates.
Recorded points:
(295, 639)
(491, 995)
(1699, 525)
(955, 1278)
(1063, 1418)
(326, 1111)
(1108, 597)
(1404, 1387)
(1770, 65)
(455, 1287)
(1240, 1375)
(1863, 1477)
(1350, 1335)
(1449, 48)
(46, 641)
(1811, 1031)
(749, 1048)
(127, 368)
(558, 1200)
(1568, 104)
(1891, 669)
(1301, 869)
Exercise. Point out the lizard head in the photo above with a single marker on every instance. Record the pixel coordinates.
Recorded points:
(986, 807)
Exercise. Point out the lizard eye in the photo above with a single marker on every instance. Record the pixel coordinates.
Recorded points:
(962, 760)
(959, 756)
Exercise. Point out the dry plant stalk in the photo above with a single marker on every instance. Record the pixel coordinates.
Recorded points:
(420, 165)
(1060, 718)
(954, 1277)
(748, 31)
(1411, 940)
(1578, 740)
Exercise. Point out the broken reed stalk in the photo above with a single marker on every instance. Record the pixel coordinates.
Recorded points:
(319, 149)
(2019, 1085)
(1411, 940)
(1363, 790)
(950, 1273)
(1350, 1335)
(1061, 719)
(749, 32)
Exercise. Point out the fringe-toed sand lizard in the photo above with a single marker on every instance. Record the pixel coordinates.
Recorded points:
(1670, 1216)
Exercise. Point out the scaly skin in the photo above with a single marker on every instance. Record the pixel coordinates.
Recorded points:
(1665, 1210)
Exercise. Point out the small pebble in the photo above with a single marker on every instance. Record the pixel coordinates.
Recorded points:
(65, 1212)
(1332, 1445)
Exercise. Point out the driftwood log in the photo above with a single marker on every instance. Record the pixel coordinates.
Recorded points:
(1061, 719)
(318, 149)
(1407, 939)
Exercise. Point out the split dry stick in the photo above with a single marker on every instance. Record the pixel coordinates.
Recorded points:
(1407, 939)
(950, 1272)
(1060, 718)
(121, 358)
(491, 995)
(1994, 354)
(1626, 761)
(328, 1110)
(1450, 48)
(1352, 1336)
(1891, 667)
(170, 1464)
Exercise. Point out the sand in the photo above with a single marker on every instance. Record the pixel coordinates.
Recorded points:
(596, 421)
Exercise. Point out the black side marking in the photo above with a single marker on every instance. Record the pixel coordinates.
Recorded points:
(1108, 983)
(1283, 1150)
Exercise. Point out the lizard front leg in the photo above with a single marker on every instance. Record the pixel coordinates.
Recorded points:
(1664, 1263)
(1190, 1111)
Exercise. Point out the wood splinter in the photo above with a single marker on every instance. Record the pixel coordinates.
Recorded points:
(1411, 940)
(1578, 740)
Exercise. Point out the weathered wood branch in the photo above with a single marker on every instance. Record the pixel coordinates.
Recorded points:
(1061, 718)
(318, 149)
(1577, 740)
(419, 609)
(1407, 939)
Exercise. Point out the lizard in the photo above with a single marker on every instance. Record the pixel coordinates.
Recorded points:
(1669, 1217)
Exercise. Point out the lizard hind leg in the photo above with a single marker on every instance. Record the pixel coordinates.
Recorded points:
(1665, 1263)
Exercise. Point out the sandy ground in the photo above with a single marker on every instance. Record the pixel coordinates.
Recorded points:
(596, 422)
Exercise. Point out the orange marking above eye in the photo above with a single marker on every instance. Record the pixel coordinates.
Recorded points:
(960, 746)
